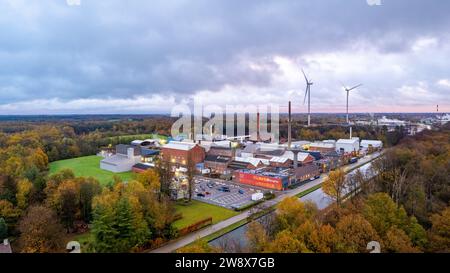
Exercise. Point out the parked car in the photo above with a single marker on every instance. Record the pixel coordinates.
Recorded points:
(200, 195)
(241, 191)
(207, 193)
(224, 189)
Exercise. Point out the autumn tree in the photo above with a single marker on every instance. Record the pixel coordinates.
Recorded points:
(40, 231)
(335, 185)
(397, 241)
(257, 237)
(291, 212)
(383, 214)
(150, 179)
(286, 242)
(24, 188)
(354, 233)
(439, 233)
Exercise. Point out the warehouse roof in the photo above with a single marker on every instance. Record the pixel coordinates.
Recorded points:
(279, 159)
(322, 145)
(347, 141)
(300, 156)
(252, 160)
(177, 145)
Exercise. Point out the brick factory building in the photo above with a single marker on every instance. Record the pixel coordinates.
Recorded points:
(180, 153)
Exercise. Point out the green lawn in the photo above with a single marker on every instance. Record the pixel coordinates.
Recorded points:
(88, 166)
(197, 211)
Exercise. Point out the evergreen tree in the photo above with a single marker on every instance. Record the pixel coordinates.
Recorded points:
(103, 230)
(3, 229)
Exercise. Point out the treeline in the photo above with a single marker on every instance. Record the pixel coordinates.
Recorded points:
(63, 139)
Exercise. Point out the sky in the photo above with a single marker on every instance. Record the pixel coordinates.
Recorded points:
(136, 56)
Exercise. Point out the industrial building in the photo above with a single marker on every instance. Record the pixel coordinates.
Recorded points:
(375, 144)
(125, 157)
(307, 172)
(347, 145)
(263, 178)
(322, 147)
(180, 154)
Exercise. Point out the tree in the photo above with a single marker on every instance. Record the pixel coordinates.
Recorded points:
(257, 237)
(40, 231)
(150, 179)
(439, 233)
(334, 186)
(88, 189)
(8, 212)
(291, 213)
(68, 207)
(397, 241)
(8, 189)
(103, 230)
(190, 176)
(354, 233)
(23, 191)
(3, 229)
(381, 211)
(286, 242)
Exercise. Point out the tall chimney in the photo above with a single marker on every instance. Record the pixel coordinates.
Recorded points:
(295, 159)
(290, 127)
(351, 132)
(258, 136)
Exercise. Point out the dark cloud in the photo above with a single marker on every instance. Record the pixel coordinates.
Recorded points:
(119, 49)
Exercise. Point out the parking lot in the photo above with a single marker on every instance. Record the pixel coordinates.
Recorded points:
(212, 191)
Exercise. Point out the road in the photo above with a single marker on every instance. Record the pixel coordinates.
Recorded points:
(190, 238)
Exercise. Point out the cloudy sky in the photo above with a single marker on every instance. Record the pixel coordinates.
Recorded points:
(139, 56)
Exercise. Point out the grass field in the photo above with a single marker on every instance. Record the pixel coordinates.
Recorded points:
(88, 166)
(197, 211)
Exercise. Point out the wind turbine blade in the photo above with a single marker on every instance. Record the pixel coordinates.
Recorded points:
(343, 85)
(306, 94)
(359, 85)
(306, 79)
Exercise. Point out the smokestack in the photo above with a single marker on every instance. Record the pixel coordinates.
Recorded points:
(258, 137)
(351, 132)
(295, 159)
(290, 127)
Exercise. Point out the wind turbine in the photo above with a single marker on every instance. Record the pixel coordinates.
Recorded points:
(348, 93)
(308, 94)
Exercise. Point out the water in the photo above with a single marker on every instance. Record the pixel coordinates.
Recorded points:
(319, 198)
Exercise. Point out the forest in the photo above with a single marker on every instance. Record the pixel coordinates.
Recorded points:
(41, 212)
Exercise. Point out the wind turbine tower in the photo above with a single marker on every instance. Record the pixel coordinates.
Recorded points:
(348, 94)
(308, 95)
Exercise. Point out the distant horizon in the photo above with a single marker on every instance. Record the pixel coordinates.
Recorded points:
(168, 114)
(147, 57)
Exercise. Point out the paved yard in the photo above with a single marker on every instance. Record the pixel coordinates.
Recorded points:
(238, 196)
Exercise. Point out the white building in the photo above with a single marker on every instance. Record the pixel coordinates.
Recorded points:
(123, 161)
(377, 144)
(347, 145)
